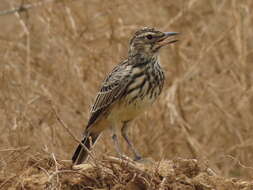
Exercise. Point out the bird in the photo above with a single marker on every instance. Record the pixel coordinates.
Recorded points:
(131, 87)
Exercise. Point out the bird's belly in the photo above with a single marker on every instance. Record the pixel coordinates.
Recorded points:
(132, 106)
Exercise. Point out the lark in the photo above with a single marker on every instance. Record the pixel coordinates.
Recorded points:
(131, 87)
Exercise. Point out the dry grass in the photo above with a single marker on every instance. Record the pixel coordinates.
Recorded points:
(42, 172)
(57, 54)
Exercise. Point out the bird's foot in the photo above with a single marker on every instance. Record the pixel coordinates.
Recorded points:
(143, 160)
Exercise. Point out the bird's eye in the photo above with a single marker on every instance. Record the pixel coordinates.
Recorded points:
(149, 36)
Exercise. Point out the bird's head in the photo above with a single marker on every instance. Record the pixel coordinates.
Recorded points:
(148, 41)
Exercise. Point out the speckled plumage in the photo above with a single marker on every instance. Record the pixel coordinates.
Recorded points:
(128, 90)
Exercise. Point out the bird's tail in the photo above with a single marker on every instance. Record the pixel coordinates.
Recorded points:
(81, 153)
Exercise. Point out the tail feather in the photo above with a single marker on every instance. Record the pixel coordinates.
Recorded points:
(81, 153)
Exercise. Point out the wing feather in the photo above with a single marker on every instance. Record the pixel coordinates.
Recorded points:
(112, 90)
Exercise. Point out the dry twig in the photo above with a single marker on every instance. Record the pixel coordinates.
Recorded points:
(24, 7)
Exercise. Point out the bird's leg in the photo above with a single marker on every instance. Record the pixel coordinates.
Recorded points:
(124, 133)
(116, 142)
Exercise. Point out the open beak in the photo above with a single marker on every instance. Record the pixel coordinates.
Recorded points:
(166, 39)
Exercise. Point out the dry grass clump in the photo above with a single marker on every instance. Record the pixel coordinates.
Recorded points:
(57, 54)
(43, 172)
